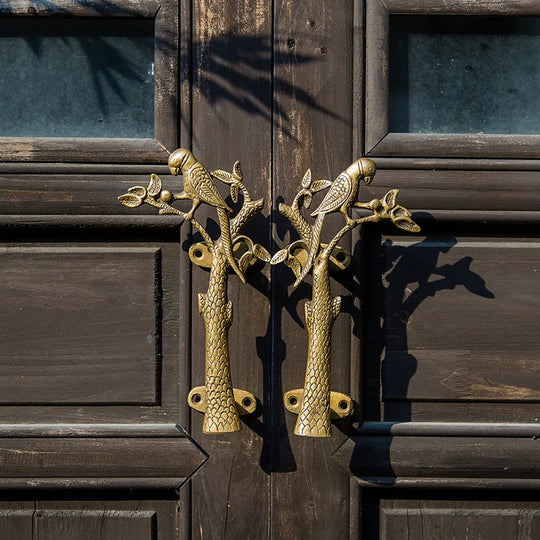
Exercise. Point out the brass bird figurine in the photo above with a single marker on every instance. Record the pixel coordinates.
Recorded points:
(199, 187)
(341, 196)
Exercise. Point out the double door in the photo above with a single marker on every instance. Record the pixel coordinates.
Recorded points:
(437, 339)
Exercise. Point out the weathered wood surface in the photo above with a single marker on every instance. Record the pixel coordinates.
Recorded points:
(382, 460)
(231, 110)
(459, 320)
(312, 111)
(379, 141)
(31, 459)
(421, 518)
(120, 8)
(25, 519)
(281, 87)
(104, 317)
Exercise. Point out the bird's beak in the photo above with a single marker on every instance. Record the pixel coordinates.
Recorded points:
(368, 179)
(175, 170)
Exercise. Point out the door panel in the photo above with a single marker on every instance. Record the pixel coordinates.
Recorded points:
(446, 519)
(457, 341)
(107, 519)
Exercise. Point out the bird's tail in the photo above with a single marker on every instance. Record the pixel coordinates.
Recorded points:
(225, 227)
(313, 247)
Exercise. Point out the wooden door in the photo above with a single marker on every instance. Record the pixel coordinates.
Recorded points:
(437, 341)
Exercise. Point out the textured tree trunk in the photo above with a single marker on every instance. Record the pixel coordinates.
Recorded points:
(321, 312)
(221, 414)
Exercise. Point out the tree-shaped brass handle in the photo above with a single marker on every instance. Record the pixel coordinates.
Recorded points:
(217, 399)
(315, 404)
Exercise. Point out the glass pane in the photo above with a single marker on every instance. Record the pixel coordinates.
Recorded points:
(456, 74)
(76, 77)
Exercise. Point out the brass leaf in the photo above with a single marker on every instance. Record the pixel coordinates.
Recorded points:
(319, 185)
(130, 200)
(154, 186)
(306, 181)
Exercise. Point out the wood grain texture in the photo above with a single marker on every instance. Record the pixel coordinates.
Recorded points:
(389, 458)
(92, 314)
(231, 120)
(450, 429)
(82, 150)
(445, 520)
(112, 458)
(120, 8)
(104, 318)
(458, 325)
(89, 519)
(502, 191)
(313, 110)
(464, 7)
(453, 145)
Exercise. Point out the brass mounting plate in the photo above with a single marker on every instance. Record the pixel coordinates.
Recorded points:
(246, 402)
(341, 405)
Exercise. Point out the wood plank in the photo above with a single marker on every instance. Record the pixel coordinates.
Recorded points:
(442, 301)
(450, 429)
(445, 520)
(313, 81)
(62, 301)
(17, 223)
(106, 519)
(99, 390)
(492, 293)
(16, 521)
(82, 150)
(451, 190)
(166, 67)
(91, 458)
(74, 193)
(464, 7)
(120, 8)
(231, 113)
(389, 458)
(90, 430)
(88, 524)
(457, 164)
(457, 145)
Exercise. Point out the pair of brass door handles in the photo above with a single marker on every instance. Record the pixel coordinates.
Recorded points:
(222, 404)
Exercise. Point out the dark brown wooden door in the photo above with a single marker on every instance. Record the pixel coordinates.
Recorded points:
(438, 339)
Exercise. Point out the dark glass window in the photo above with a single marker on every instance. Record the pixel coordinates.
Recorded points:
(77, 77)
(464, 74)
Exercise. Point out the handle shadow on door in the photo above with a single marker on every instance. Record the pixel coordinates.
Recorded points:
(316, 404)
(217, 399)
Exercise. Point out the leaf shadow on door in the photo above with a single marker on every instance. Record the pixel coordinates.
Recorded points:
(239, 71)
(400, 277)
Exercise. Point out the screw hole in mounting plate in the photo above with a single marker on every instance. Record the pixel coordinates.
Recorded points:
(246, 402)
(293, 401)
(196, 398)
(343, 405)
(198, 253)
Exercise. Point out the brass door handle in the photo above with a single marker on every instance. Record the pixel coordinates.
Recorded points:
(217, 399)
(315, 404)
